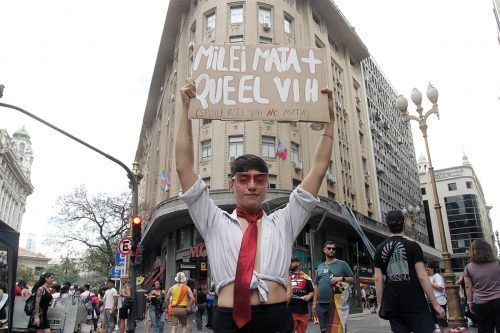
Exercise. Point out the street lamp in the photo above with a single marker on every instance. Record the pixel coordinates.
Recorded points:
(412, 216)
(134, 178)
(455, 313)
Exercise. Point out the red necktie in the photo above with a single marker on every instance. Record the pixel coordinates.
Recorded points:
(246, 260)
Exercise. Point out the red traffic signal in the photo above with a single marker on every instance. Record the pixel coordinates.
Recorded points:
(136, 220)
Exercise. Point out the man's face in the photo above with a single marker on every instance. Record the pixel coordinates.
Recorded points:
(109, 285)
(294, 266)
(250, 189)
(330, 250)
(430, 271)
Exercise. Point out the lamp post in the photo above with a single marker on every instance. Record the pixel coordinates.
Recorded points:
(455, 317)
(412, 216)
(134, 178)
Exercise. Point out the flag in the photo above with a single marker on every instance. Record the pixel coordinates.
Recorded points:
(281, 151)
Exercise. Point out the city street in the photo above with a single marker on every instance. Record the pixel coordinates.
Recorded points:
(363, 323)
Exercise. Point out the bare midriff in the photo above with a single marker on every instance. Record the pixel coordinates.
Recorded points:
(277, 294)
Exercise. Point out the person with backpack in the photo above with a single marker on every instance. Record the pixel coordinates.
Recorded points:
(178, 306)
(42, 300)
(86, 297)
(210, 306)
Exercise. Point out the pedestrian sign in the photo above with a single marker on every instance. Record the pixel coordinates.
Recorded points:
(125, 245)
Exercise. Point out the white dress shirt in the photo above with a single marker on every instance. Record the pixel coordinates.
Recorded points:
(222, 233)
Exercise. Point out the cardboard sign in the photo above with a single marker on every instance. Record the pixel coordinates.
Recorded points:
(259, 82)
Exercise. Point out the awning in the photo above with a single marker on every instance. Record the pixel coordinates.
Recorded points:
(153, 276)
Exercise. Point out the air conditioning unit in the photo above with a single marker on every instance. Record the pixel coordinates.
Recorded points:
(369, 202)
(358, 99)
(339, 82)
(353, 194)
(330, 177)
(172, 98)
(338, 105)
(191, 44)
(266, 26)
(367, 174)
(297, 166)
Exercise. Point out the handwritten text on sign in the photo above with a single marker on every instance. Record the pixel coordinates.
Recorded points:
(259, 82)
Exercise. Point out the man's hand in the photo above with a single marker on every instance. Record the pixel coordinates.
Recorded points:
(335, 279)
(439, 310)
(314, 308)
(329, 93)
(188, 92)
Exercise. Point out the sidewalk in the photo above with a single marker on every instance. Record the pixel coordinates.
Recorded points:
(365, 322)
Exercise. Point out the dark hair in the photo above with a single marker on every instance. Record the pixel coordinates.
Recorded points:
(22, 283)
(56, 287)
(41, 281)
(155, 283)
(395, 221)
(431, 266)
(295, 259)
(86, 286)
(248, 162)
(329, 243)
(64, 289)
(67, 283)
(190, 283)
(480, 251)
(111, 281)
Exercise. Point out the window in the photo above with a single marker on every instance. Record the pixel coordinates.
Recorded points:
(206, 150)
(468, 184)
(452, 186)
(236, 39)
(316, 19)
(237, 15)
(422, 190)
(265, 40)
(295, 152)
(235, 146)
(288, 25)
(210, 21)
(295, 182)
(272, 181)
(206, 121)
(265, 16)
(268, 146)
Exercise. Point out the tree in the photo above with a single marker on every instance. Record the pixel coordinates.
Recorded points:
(66, 271)
(96, 223)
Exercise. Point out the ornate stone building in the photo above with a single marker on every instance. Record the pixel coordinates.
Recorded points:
(16, 158)
(169, 237)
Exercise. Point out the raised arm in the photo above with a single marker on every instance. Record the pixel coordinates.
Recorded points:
(323, 153)
(184, 156)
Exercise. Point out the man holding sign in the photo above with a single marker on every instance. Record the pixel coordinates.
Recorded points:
(249, 251)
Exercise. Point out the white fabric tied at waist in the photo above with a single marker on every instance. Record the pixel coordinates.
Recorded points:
(258, 282)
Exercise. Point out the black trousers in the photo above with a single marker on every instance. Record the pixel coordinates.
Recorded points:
(488, 316)
(269, 318)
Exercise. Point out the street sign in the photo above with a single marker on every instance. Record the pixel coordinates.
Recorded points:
(119, 259)
(125, 245)
(116, 271)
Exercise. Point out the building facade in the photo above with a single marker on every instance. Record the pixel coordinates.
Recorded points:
(169, 237)
(464, 210)
(16, 158)
(496, 12)
(393, 149)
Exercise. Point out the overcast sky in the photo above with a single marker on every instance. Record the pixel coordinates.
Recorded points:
(86, 67)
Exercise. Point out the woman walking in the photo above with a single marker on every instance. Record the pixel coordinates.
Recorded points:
(482, 285)
(156, 297)
(43, 298)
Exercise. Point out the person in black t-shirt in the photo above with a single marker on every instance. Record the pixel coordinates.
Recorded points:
(302, 293)
(401, 295)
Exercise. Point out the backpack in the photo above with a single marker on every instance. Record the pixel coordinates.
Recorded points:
(29, 306)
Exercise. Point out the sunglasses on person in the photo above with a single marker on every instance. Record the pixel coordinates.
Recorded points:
(331, 249)
(244, 178)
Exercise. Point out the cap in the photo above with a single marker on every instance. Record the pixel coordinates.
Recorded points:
(295, 259)
(394, 217)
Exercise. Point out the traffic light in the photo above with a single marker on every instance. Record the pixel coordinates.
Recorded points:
(136, 229)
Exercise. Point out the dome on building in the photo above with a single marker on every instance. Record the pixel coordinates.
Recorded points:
(22, 134)
(422, 159)
(465, 160)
